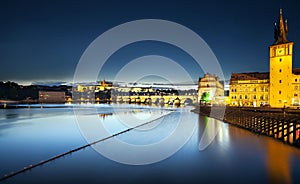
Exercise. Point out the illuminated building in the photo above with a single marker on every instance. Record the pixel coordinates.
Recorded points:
(277, 88)
(210, 89)
(52, 97)
(91, 92)
(104, 85)
(249, 89)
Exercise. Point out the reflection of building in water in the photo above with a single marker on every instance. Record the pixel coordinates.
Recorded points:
(104, 115)
(208, 130)
(202, 122)
(210, 89)
(278, 163)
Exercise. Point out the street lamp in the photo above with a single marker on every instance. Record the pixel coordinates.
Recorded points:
(284, 102)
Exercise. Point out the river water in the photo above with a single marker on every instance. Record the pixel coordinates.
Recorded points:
(230, 154)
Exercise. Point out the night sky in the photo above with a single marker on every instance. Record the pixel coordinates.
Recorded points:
(44, 40)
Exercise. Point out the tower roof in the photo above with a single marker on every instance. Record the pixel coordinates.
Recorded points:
(280, 30)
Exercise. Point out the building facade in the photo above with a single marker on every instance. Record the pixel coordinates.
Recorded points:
(52, 97)
(210, 89)
(249, 89)
(277, 88)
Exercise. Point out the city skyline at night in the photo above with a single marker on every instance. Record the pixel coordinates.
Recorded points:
(150, 91)
(44, 42)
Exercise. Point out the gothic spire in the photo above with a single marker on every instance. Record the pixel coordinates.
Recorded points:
(281, 30)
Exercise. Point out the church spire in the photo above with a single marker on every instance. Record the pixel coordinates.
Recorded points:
(281, 30)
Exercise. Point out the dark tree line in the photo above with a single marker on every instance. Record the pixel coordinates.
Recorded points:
(13, 91)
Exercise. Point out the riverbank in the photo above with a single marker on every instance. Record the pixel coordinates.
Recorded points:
(281, 124)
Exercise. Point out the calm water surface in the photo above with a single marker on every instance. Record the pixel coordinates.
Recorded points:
(29, 135)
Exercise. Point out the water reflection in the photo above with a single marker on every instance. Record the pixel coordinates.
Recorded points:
(104, 115)
(278, 162)
(234, 155)
(250, 152)
(11, 116)
(211, 129)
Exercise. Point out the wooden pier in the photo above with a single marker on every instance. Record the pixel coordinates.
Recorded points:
(281, 124)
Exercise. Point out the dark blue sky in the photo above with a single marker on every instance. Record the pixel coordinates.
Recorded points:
(43, 40)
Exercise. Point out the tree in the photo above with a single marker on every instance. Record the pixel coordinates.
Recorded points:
(205, 97)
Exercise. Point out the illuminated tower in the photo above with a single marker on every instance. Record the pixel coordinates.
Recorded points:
(281, 53)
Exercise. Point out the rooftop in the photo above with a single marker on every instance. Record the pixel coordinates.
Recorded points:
(250, 76)
(296, 71)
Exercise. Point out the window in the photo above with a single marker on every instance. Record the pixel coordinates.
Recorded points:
(280, 92)
(261, 89)
(296, 88)
(280, 81)
(241, 97)
(254, 97)
(262, 97)
(280, 70)
(280, 59)
(254, 89)
(295, 80)
(295, 95)
(279, 101)
(245, 96)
